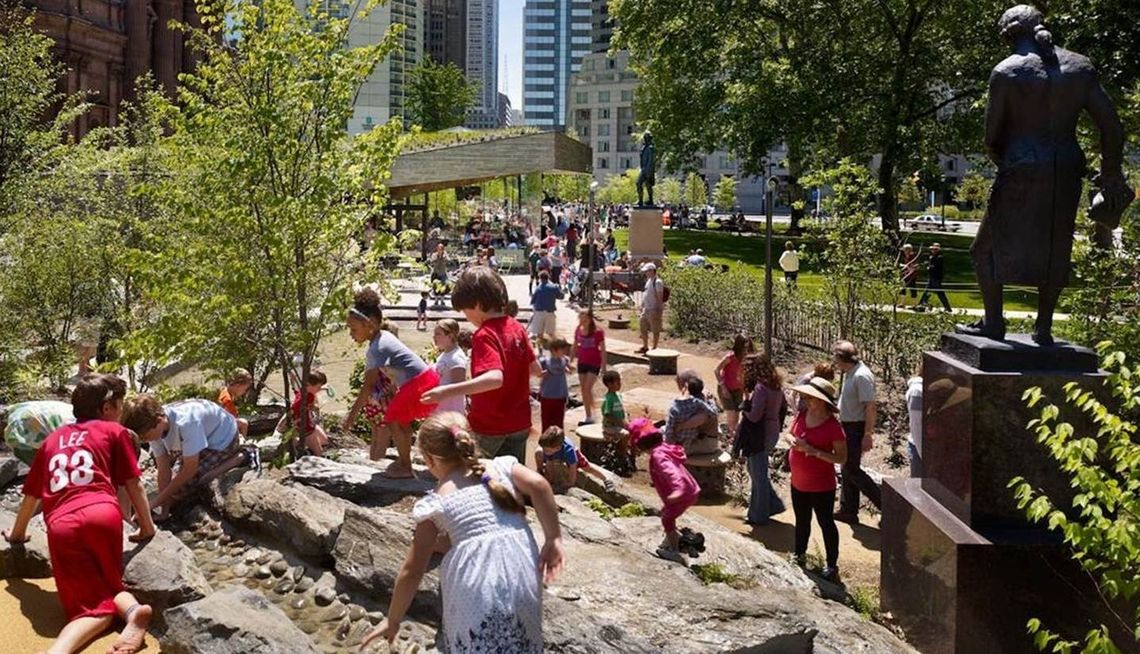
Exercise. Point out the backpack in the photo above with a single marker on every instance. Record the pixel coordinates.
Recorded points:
(664, 292)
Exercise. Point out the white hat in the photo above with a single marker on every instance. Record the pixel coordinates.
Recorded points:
(649, 266)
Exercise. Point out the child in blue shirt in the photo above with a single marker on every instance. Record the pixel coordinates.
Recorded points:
(559, 461)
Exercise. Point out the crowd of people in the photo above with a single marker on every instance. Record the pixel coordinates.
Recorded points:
(473, 411)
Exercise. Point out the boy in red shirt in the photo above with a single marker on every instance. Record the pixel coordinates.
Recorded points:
(502, 363)
(75, 473)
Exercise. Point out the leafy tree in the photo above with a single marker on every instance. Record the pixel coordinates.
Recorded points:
(831, 79)
(669, 191)
(438, 95)
(696, 192)
(620, 189)
(724, 195)
(909, 192)
(270, 191)
(974, 190)
(1102, 527)
(570, 188)
(860, 272)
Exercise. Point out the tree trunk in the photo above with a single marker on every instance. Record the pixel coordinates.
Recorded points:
(889, 197)
(795, 189)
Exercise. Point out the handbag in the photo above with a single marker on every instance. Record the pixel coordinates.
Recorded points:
(749, 437)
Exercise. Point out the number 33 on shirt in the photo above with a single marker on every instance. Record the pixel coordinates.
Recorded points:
(79, 465)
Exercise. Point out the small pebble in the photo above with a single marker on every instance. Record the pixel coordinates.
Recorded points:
(298, 572)
(268, 583)
(265, 558)
(279, 568)
(252, 556)
(298, 603)
(345, 598)
(324, 596)
(303, 584)
(237, 542)
(241, 570)
(356, 612)
(224, 539)
(375, 617)
(335, 613)
(342, 629)
(284, 586)
(263, 572)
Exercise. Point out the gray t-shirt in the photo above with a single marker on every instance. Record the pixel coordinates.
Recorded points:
(858, 390)
(387, 351)
(654, 298)
(553, 384)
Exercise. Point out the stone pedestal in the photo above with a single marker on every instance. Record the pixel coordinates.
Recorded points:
(646, 234)
(962, 568)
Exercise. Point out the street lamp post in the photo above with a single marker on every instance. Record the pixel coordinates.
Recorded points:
(768, 267)
(592, 248)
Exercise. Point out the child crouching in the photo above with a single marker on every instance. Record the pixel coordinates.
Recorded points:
(309, 424)
(559, 461)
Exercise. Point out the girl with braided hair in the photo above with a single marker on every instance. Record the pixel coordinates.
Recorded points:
(492, 597)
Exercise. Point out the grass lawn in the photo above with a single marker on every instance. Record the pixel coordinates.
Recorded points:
(748, 250)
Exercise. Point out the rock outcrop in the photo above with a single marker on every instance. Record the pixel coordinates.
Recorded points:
(371, 549)
(162, 572)
(305, 519)
(363, 484)
(29, 560)
(233, 620)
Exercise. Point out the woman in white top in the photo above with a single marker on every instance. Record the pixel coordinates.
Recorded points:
(451, 365)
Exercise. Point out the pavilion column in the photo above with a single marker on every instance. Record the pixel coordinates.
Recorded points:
(167, 51)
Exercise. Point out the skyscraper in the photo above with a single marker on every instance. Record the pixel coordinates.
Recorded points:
(445, 31)
(483, 62)
(381, 97)
(557, 34)
(601, 27)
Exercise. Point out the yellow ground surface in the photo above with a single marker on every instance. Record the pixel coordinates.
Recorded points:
(32, 617)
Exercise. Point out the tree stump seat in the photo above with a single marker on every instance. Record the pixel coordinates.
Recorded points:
(710, 471)
(662, 361)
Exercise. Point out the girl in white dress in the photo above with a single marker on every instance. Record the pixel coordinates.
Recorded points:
(492, 573)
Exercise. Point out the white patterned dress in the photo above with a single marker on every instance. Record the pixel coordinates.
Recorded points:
(492, 596)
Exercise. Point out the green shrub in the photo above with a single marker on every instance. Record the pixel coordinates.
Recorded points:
(713, 573)
(607, 512)
(601, 508)
(865, 601)
(632, 510)
(167, 394)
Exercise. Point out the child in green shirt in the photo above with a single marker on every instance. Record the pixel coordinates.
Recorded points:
(614, 426)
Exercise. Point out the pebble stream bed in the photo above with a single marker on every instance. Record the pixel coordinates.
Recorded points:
(307, 594)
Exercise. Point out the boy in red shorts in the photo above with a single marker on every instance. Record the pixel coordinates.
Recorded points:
(502, 363)
(75, 473)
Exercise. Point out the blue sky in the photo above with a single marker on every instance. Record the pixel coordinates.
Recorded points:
(511, 50)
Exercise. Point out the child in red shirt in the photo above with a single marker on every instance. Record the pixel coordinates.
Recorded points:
(309, 425)
(502, 363)
(75, 473)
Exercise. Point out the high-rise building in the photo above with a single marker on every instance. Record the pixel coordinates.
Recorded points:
(483, 62)
(557, 36)
(445, 31)
(601, 26)
(107, 44)
(381, 97)
(600, 113)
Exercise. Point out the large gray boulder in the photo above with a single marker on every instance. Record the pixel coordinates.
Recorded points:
(357, 483)
(11, 468)
(371, 549)
(637, 602)
(305, 519)
(233, 620)
(30, 560)
(162, 572)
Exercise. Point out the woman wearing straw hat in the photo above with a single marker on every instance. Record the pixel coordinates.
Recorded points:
(817, 443)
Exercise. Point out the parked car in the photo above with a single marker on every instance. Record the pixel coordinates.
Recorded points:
(931, 223)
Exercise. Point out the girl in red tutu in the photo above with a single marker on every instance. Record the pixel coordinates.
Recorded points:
(388, 362)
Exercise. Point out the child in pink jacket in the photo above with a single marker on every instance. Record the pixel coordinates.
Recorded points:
(676, 487)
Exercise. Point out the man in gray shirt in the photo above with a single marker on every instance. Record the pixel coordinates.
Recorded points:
(652, 308)
(857, 413)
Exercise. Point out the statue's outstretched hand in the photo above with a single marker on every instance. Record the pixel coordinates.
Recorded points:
(1110, 201)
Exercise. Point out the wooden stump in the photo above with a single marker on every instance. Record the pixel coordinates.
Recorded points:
(662, 361)
(710, 471)
(594, 445)
(619, 323)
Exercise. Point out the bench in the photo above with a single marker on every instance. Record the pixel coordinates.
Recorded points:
(662, 361)
(710, 471)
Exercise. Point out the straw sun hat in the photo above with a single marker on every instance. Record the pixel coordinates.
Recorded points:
(821, 389)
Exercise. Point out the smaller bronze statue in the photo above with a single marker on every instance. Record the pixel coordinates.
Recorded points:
(1036, 96)
(647, 177)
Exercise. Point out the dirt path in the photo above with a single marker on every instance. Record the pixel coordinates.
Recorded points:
(30, 611)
